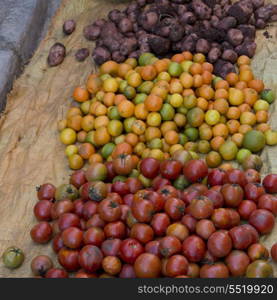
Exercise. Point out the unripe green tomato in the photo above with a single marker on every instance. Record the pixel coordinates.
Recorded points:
(268, 95)
(175, 69)
(140, 98)
(271, 137)
(242, 155)
(186, 65)
(13, 257)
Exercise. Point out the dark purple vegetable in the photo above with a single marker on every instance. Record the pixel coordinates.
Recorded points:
(69, 26)
(82, 54)
(56, 55)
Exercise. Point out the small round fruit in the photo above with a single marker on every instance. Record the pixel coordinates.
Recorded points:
(259, 269)
(13, 257)
(148, 265)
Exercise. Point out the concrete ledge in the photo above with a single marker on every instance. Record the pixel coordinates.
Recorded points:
(9, 64)
(22, 24)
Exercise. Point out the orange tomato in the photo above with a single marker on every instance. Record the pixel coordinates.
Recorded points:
(153, 103)
(80, 94)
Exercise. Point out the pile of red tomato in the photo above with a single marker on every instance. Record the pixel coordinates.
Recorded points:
(122, 229)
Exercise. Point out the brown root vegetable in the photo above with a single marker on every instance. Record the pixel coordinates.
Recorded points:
(201, 9)
(235, 36)
(118, 57)
(100, 55)
(159, 45)
(214, 55)
(248, 31)
(230, 55)
(246, 48)
(222, 68)
(69, 26)
(188, 18)
(92, 32)
(56, 55)
(227, 23)
(149, 20)
(128, 46)
(125, 25)
(202, 46)
(82, 54)
(241, 10)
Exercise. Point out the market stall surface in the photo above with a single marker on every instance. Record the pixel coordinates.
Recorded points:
(30, 151)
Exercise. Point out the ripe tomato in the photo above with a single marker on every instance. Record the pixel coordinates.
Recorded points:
(232, 194)
(237, 262)
(72, 237)
(169, 245)
(78, 178)
(95, 191)
(201, 207)
(221, 218)
(153, 247)
(123, 164)
(159, 223)
(142, 210)
(121, 188)
(109, 210)
(246, 208)
(175, 208)
(127, 271)
(159, 182)
(195, 170)
(170, 169)
(176, 265)
(189, 194)
(189, 222)
(235, 176)
(134, 185)
(111, 247)
(90, 258)
(242, 237)
(253, 191)
(46, 192)
(94, 236)
(194, 248)
(115, 230)
(150, 167)
(262, 220)
(268, 202)
(270, 183)
(205, 228)
(216, 177)
(215, 197)
(68, 259)
(219, 243)
(216, 270)
(130, 249)
(252, 175)
(257, 251)
(142, 232)
(168, 191)
(148, 265)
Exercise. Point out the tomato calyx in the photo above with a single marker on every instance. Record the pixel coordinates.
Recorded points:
(93, 194)
(113, 204)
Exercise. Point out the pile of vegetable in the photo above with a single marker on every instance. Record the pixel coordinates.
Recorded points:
(191, 222)
(218, 28)
(153, 108)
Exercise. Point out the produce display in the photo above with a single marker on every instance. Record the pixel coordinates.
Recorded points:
(192, 222)
(154, 108)
(221, 29)
(151, 138)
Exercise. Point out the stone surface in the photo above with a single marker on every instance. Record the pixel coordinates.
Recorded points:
(8, 67)
(22, 25)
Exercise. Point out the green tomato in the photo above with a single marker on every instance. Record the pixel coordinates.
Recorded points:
(66, 191)
(145, 58)
(228, 150)
(268, 95)
(186, 65)
(140, 98)
(146, 182)
(113, 113)
(130, 92)
(128, 123)
(261, 105)
(70, 150)
(107, 150)
(105, 77)
(182, 110)
(119, 139)
(134, 173)
(194, 155)
(183, 139)
(122, 86)
(85, 106)
(119, 178)
(164, 76)
(190, 101)
(146, 87)
(13, 257)
(115, 128)
(212, 117)
(192, 134)
(271, 137)
(181, 182)
(155, 144)
(204, 147)
(176, 100)
(242, 155)
(175, 69)
(167, 112)
(90, 138)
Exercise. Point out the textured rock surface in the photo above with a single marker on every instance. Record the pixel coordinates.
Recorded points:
(21, 27)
